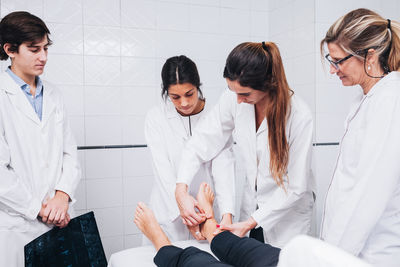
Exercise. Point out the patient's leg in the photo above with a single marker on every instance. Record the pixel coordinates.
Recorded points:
(243, 251)
(147, 223)
(230, 248)
(168, 255)
(171, 256)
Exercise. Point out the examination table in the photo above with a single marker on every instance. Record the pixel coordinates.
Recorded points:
(300, 251)
(143, 256)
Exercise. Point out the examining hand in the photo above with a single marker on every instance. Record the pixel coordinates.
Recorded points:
(54, 210)
(241, 228)
(187, 204)
(195, 231)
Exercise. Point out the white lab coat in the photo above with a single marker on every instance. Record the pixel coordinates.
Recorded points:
(36, 158)
(166, 134)
(362, 209)
(281, 214)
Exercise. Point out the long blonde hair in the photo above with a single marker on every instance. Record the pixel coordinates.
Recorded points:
(259, 66)
(362, 29)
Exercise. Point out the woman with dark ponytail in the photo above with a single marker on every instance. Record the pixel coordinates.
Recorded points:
(168, 128)
(273, 128)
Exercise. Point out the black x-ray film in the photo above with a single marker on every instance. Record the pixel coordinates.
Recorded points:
(78, 244)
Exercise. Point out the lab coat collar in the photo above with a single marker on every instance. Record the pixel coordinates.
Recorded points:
(262, 127)
(175, 119)
(19, 100)
(16, 78)
(394, 75)
(8, 84)
(171, 112)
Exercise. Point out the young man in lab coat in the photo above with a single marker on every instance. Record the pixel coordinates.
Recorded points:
(39, 170)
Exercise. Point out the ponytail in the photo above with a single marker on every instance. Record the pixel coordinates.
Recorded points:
(276, 113)
(393, 61)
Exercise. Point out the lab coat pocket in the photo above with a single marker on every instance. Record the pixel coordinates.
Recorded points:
(305, 207)
(12, 221)
(351, 148)
(53, 130)
(59, 122)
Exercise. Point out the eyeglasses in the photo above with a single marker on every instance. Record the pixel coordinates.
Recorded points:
(335, 64)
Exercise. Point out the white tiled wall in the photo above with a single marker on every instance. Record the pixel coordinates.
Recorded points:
(107, 57)
(291, 27)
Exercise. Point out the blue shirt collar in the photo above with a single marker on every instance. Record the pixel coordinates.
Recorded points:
(23, 85)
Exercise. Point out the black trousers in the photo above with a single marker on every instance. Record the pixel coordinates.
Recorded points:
(230, 249)
(257, 234)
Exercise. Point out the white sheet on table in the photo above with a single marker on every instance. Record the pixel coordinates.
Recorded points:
(143, 256)
(300, 251)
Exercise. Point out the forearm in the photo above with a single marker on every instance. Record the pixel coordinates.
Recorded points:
(250, 223)
(180, 190)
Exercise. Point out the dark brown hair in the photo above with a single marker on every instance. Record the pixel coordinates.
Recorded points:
(259, 66)
(179, 70)
(20, 27)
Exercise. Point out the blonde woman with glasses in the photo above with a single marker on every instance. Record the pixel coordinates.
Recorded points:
(362, 209)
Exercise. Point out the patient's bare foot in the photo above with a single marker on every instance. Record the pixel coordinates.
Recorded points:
(147, 223)
(205, 197)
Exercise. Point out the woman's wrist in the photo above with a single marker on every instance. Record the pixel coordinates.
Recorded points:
(180, 190)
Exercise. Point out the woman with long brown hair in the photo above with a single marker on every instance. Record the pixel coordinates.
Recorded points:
(273, 129)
